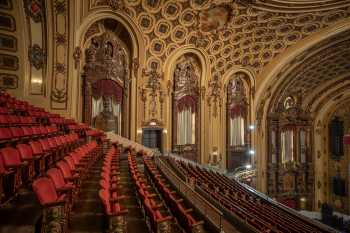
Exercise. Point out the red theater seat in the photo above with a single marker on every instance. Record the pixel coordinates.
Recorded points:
(12, 163)
(26, 155)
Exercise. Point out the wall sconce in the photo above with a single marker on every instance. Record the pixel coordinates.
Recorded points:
(139, 131)
(251, 152)
(251, 127)
(165, 131)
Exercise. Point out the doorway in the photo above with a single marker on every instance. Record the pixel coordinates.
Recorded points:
(152, 138)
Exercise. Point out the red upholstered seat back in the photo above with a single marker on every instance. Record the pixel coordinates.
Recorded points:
(57, 177)
(36, 147)
(44, 144)
(25, 151)
(45, 190)
(70, 162)
(27, 131)
(65, 169)
(16, 132)
(36, 130)
(3, 119)
(104, 196)
(10, 157)
(5, 134)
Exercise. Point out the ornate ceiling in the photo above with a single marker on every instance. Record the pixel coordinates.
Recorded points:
(326, 65)
(231, 32)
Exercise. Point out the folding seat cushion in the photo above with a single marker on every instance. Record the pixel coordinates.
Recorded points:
(46, 193)
(5, 134)
(57, 177)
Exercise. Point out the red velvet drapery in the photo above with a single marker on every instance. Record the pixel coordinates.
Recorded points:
(346, 139)
(186, 102)
(237, 110)
(107, 87)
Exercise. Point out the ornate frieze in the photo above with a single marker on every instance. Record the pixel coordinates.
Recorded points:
(59, 84)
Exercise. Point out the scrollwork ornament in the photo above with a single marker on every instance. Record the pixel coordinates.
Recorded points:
(77, 56)
(36, 56)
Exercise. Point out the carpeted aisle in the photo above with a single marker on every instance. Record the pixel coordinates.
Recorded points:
(87, 215)
(136, 222)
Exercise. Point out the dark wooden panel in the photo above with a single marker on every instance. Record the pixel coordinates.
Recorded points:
(8, 62)
(6, 4)
(8, 81)
(7, 22)
(8, 42)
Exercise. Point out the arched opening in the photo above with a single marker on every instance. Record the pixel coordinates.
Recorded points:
(186, 107)
(237, 114)
(106, 76)
(291, 104)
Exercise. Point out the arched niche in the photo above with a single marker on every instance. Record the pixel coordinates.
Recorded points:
(106, 77)
(237, 96)
(186, 102)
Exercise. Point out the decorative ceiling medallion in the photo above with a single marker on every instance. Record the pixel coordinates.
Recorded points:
(157, 47)
(214, 19)
(163, 29)
(187, 18)
(171, 10)
(36, 56)
(34, 8)
(152, 6)
(146, 22)
(179, 34)
(154, 63)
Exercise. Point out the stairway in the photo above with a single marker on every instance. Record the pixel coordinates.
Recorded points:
(136, 222)
(87, 215)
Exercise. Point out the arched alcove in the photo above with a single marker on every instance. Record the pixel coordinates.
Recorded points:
(199, 61)
(107, 73)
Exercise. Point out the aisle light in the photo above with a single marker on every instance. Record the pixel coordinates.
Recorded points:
(252, 152)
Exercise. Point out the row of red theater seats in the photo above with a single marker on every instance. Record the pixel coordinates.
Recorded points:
(21, 164)
(254, 204)
(10, 134)
(10, 105)
(60, 186)
(156, 213)
(185, 216)
(109, 183)
(256, 212)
